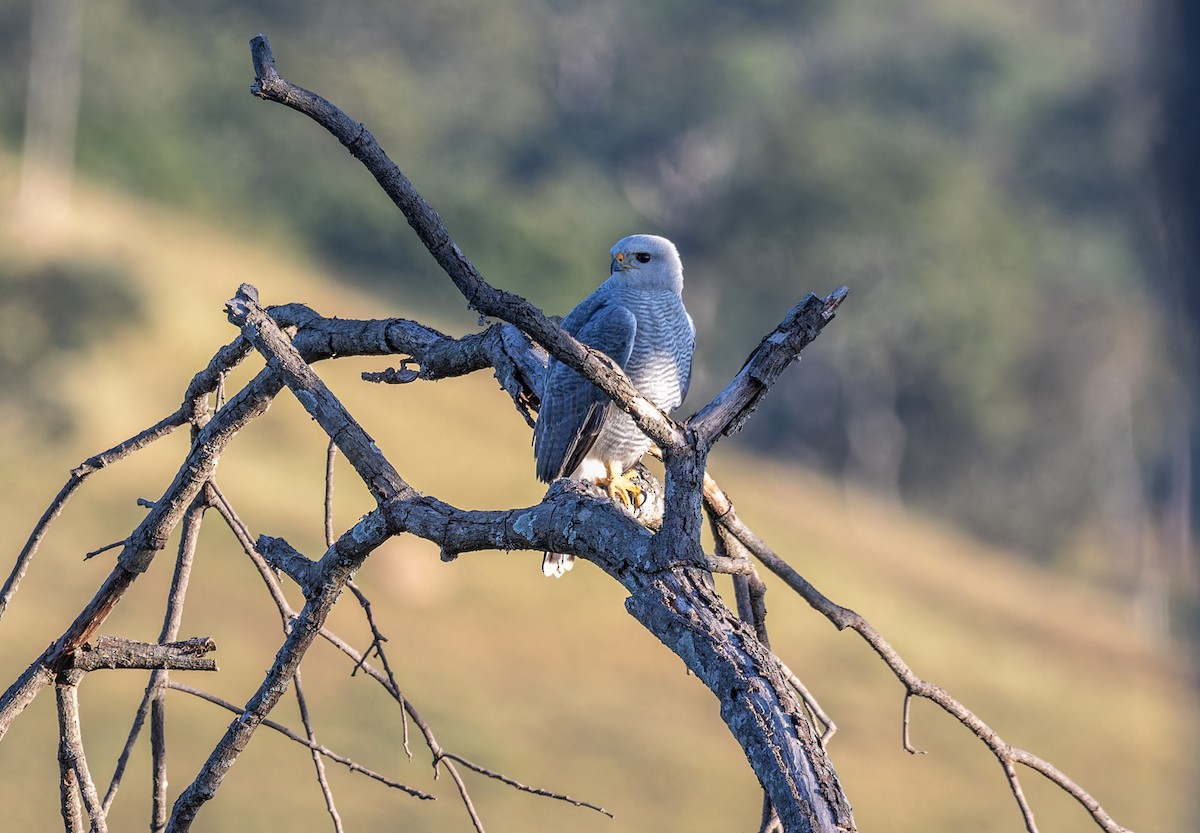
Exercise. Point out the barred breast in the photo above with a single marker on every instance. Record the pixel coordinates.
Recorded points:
(659, 365)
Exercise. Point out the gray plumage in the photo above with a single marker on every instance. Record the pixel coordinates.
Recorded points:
(637, 318)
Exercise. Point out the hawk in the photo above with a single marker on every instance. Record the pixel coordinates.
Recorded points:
(637, 319)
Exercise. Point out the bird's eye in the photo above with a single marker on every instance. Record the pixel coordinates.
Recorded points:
(643, 257)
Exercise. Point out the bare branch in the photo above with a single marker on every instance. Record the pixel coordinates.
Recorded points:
(151, 699)
(842, 618)
(158, 752)
(377, 640)
(342, 560)
(68, 786)
(728, 412)
(664, 569)
(330, 458)
(1014, 784)
(78, 475)
(150, 536)
(318, 763)
(908, 747)
(522, 787)
(260, 329)
(193, 410)
(70, 751)
(115, 652)
(300, 739)
(480, 295)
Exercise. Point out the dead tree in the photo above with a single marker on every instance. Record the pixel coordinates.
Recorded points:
(656, 556)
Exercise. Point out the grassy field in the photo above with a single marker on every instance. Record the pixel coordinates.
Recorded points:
(549, 682)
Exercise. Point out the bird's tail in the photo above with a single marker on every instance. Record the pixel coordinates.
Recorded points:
(554, 564)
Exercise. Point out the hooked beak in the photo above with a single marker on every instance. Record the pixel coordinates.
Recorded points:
(618, 263)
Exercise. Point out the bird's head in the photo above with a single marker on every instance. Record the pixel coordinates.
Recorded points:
(648, 260)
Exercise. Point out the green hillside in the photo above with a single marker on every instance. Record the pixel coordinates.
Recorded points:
(549, 682)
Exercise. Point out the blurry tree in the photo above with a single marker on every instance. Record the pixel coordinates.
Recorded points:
(957, 163)
(49, 313)
(51, 115)
(1177, 187)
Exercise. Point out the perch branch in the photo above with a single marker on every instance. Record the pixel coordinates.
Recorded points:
(480, 295)
(808, 795)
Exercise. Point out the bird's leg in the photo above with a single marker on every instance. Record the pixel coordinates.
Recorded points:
(621, 488)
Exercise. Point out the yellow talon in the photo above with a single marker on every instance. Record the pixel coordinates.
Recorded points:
(622, 489)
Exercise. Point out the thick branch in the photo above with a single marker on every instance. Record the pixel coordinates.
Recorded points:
(721, 508)
(282, 357)
(682, 609)
(115, 652)
(480, 295)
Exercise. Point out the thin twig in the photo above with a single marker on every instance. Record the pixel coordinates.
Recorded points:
(318, 762)
(377, 640)
(330, 458)
(770, 819)
(377, 637)
(1014, 783)
(103, 549)
(301, 700)
(908, 747)
(522, 787)
(814, 705)
(242, 534)
(78, 475)
(158, 761)
(169, 632)
(349, 763)
(287, 613)
(193, 410)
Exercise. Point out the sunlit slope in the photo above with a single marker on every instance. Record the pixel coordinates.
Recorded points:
(550, 682)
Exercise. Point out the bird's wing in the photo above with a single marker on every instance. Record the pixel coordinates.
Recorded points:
(689, 348)
(573, 409)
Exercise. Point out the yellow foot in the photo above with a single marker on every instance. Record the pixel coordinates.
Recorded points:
(622, 489)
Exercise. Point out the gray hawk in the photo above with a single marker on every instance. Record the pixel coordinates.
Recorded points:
(637, 319)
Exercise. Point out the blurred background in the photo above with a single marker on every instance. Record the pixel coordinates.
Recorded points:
(989, 453)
